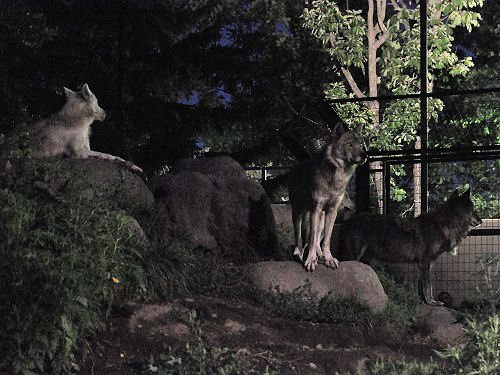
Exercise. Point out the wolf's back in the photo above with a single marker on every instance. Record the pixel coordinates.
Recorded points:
(382, 237)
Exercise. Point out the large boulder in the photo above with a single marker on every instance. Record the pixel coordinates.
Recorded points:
(212, 203)
(222, 166)
(445, 325)
(89, 179)
(104, 180)
(351, 280)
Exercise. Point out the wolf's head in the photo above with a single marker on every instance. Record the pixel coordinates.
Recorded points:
(463, 204)
(461, 209)
(349, 145)
(83, 104)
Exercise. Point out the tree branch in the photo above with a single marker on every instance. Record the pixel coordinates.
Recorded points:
(381, 10)
(352, 83)
(396, 4)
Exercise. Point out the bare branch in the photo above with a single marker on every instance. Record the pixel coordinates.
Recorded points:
(399, 4)
(301, 115)
(381, 10)
(331, 39)
(352, 83)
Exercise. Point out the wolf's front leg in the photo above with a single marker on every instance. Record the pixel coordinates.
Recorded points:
(314, 246)
(330, 217)
(425, 284)
(101, 155)
(297, 218)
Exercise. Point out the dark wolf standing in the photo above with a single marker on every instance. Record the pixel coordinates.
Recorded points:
(421, 240)
(67, 132)
(316, 188)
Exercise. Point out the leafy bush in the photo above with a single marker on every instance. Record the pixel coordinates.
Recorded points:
(197, 358)
(64, 263)
(489, 289)
(403, 368)
(301, 304)
(400, 309)
(480, 356)
(175, 268)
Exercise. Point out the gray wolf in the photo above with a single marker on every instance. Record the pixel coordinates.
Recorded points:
(67, 132)
(421, 240)
(316, 189)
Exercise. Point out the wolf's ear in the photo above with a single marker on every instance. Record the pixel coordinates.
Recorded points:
(68, 93)
(466, 194)
(359, 129)
(86, 93)
(338, 131)
(454, 195)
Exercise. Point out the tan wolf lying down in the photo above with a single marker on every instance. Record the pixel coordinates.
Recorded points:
(67, 132)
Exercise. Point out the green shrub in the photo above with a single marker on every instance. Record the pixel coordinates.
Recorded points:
(302, 304)
(284, 235)
(63, 264)
(198, 358)
(175, 267)
(403, 301)
(404, 368)
(480, 356)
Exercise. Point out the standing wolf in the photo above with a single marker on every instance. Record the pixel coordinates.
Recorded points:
(67, 132)
(421, 240)
(316, 188)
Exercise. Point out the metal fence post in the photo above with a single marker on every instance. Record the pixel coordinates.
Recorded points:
(424, 184)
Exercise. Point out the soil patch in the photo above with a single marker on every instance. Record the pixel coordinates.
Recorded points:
(136, 332)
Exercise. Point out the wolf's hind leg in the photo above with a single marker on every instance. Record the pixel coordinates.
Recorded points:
(425, 287)
(298, 218)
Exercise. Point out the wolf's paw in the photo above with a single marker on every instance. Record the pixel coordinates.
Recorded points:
(435, 303)
(332, 262)
(134, 168)
(298, 253)
(311, 263)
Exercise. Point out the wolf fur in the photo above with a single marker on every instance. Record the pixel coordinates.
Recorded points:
(67, 132)
(316, 189)
(418, 240)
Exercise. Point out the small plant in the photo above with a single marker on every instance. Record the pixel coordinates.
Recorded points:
(481, 356)
(285, 238)
(302, 304)
(65, 261)
(403, 368)
(197, 358)
(401, 307)
(490, 276)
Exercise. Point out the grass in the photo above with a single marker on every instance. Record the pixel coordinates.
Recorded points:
(62, 268)
(197, 357)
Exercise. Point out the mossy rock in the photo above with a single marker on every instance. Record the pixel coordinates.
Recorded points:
(89, 179)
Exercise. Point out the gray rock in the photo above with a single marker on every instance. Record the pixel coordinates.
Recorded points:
(351, 279)
(444, 325)
(225, 211)
(217, 166)
(100, 179)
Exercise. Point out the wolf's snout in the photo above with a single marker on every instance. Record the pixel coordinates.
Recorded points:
(100, 115)
(476, 221)
(363, 157)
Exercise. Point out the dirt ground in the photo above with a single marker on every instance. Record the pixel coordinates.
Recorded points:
(136, 332)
